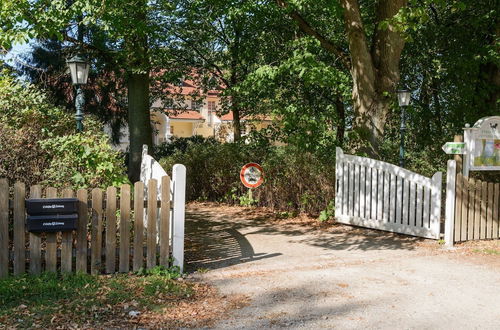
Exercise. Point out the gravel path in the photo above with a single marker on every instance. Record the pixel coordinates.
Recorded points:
(339, 277)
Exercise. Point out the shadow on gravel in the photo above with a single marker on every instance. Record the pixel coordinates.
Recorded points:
(213, 245)
(213, 240)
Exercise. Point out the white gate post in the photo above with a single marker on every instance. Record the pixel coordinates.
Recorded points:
(179, 189)
(449, 225)
(437, 185)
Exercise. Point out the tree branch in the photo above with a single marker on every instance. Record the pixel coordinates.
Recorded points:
(305, 27)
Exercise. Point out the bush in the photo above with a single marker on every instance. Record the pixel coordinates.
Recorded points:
(294, 181)
(179, 144)
(38, 142)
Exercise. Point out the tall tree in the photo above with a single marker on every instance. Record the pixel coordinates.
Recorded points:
(372, 56)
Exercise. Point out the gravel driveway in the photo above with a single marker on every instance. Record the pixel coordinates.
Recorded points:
(297, 275)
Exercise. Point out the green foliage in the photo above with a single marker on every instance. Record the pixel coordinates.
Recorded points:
(179, 144)
(83, 160)
(294, 180)
(39, 144)
(173, 272)
(328, 213)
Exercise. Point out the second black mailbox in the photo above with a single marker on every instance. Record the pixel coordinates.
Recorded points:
(51, 214)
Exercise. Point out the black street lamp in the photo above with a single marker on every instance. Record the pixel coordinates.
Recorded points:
(403, 101)
(79, 69)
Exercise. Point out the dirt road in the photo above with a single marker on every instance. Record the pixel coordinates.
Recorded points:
(298, 275)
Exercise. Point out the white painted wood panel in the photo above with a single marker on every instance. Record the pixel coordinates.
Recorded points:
(392, 212)
(406, 198)
(351, 189)
(356, 190)
(362, 192)
(411, 207)
(374, 194)
(418, 205)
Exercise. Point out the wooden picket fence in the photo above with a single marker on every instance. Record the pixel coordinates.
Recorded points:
(472, 208)
(111, 233)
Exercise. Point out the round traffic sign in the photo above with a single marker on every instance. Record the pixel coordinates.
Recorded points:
(252, 175)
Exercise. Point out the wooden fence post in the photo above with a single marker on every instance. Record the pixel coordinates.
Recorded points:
(449, 227)
(165, 221)
(81, 232)
(124, 266)
(179, 181)
(138, 226)
(4, 228)
(96, 235)
(151, 229)
(51, 241)
(110, 230)
(67, 243)
(35, 239)
(437, 183)
(19, 230)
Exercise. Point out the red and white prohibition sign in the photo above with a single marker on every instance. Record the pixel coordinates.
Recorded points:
(252, 175)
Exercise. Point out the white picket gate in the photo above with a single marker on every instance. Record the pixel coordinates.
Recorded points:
(379, 195)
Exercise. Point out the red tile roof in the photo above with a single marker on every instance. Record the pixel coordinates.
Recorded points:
(190, 115)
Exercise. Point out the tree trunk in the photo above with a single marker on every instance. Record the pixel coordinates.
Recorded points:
(139, 121)
(339, 106)
(374, 70)
(236, 123)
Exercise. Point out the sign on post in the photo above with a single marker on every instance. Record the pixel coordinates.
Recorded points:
(252, 175)
(454, 148)
(483, 145)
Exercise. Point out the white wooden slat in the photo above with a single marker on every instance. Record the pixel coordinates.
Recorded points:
(362, 191)
(338, 181)
(356, 190)
(426, 208)
(380, 195)
(383, 166)
(411, 210)
(179, 185)
(374, 194)
(351, 189)
(392, 201)
(449, 227)
(345, 185)
(368, 193)
(406, 198)
(387, 190)
(435, 225)
(399, 200)
(418, 205)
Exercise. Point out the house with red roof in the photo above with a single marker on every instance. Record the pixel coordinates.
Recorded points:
(186, 110)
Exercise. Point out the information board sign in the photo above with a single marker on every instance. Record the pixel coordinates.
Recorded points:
(483, 144)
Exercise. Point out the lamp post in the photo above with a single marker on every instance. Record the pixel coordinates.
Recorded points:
(403, 101)
(79, 69)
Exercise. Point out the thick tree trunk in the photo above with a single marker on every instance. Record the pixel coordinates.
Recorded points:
(139, 121)
(374, 70)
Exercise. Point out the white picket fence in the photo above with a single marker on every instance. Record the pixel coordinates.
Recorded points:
(379, 195)
(151, 169)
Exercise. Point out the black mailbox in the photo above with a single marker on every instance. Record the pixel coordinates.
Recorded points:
(51, 214)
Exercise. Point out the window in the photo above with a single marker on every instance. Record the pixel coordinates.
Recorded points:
(171, 130)
(211, 112)
(196, 105)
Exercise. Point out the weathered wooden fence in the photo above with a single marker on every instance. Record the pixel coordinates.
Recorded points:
(472, 208)
(379, 195)
(111, 234)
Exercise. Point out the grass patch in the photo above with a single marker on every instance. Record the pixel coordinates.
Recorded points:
(487, 251)
(52, 300)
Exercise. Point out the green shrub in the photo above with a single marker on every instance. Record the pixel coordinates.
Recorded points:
(294, 180)
(83, 160)
(179, 144)
(39, 144)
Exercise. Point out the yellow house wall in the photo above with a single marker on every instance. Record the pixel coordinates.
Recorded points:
(182, 129)
(204, 130)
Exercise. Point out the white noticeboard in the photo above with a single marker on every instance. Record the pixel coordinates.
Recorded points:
(483, 145)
